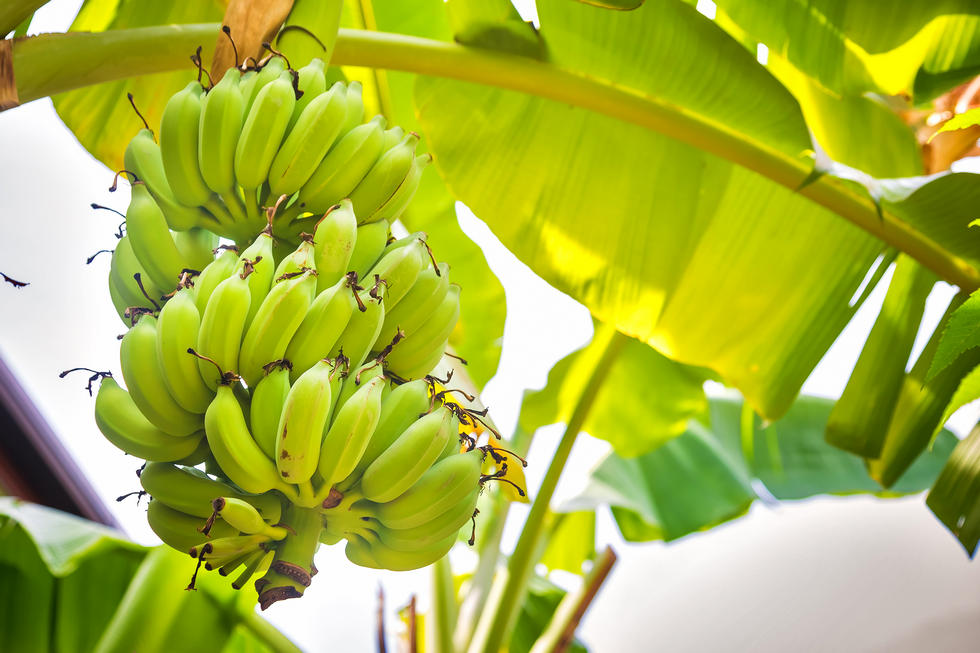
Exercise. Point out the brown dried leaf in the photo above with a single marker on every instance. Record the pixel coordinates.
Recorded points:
(252, 22)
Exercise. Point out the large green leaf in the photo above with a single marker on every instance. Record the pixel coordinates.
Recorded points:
(961, 333)
(68, 584)
(955, 498)
(712, 264)
(480, 329)
(100, 116)
(853, 47)
(706, 475)
(646, 398)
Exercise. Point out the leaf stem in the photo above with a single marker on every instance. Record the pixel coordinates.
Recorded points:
(54, 63)
(443, 607)
(500, 616)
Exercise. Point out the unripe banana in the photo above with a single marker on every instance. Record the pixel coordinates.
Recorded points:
(125, 426)
(321, 327)
(179, 530)
(223, 549)
(355, 107)
(150, 237)
(179, 134)
(395, 205)
(300, 259)
(312, 82)
(369, 551)
(417, 305)
(399, 410)
(434, 493)
(428, 534)
(368, 245)
(177, 331)
(399, 269)
(263, 272)
(333, 242)
(222, 267)
(344, 166)
(362, 329)
(191, 491)
(222, 326)
(196, 247)
(383, 179)
(253, 82)
(354, 381)
(222, 118)
(315, 131)
(404, 462)
(268, 398)
(277, 320)
(237, 453)
(303, 422)
(118, 300)
(263, 132)
(144, 159)
(258, 563)
(410, 356)
(123, 269)
(351, 430)
(143, 373)
(242, 516)
(392, 137)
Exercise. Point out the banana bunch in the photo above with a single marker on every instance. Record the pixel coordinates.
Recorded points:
(260, 135)
(280, 388)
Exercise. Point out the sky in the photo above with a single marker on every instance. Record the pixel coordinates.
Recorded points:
(766, 582)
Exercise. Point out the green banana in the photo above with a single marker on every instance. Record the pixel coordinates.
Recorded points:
(368, 245)
(118, 300)
(312, 82)
(303, 422)
(427, 534)
(191, 491)
(407, 458)
(369, 551)
(399, 410)
(263, 271)
(297, 261)
(344, 166)
(125, 426)
(263, 132)
(409, 358)
(123, 269)
(177, 330)
(354, 381)
(252, 83)
(268, 398)
(222, 118)
(243, 516)
(417, 306)
(333, 242)
(383, 179)
(257, 564)
(399, 269)
(179, 135)
(144, 376)
(315, 131)
(179, 530)
(196, 247)
(150, 237)
(222, 326)
(355, 107)
(362, 329)
(219, 269)
(350, 431)
(392, 137)
(395, 205)
(240, 458)
(280, 315)
(321, 327)
(223, 549)
(434, 493)
(143, 158)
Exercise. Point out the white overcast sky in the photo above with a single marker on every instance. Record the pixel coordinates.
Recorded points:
(884, 575)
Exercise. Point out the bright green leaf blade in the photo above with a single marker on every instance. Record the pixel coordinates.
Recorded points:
(963, 120)
(860, 417)
(618, 216)
(953, 59)
(100, 116)
(494, 24)
(961, 334)
(704, 477)
(955, 498)
(967, 392)
(571, 542)
(26, 592)
(645, 400)
(621, 5)
(539, 606)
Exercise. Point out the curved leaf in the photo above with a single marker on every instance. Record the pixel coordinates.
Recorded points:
(955, 498)
(674, 246)
(960, 334)
(707, 475)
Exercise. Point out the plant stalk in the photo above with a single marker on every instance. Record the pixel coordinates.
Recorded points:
(443, 608)
(499, 617)
(266, 633)
(54, 63)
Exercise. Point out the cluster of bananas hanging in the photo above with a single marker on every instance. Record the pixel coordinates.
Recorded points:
(294, 364)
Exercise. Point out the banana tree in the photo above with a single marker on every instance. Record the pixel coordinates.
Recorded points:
(721, 217)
